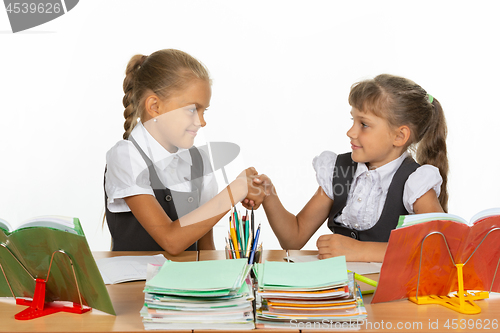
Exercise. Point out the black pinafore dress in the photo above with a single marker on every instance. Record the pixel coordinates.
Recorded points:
(343, 174)
(129, 235)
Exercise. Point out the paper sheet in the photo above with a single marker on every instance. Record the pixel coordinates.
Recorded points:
(127, 268)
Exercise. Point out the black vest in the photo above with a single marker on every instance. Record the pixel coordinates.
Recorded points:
(343, 174)
(129, 235)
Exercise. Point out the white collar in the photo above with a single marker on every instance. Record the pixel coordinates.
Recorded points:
(385, 172)
(155, 151)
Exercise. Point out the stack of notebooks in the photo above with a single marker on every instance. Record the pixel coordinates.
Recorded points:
(318, 294)
(213, 294)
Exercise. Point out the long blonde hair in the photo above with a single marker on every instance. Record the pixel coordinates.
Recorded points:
(163, 72)
(403, 102)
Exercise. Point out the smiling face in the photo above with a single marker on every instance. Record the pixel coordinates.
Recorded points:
(373, 141)
(178, 119)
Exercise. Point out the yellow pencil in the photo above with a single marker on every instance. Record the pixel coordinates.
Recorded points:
(234, 238)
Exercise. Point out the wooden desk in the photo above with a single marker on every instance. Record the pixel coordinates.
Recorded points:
(128, 299)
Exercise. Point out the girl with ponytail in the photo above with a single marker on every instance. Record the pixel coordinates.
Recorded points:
(363, 193)
(160, 190)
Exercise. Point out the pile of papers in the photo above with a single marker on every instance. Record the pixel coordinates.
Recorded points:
(309, 295)
(213, 294)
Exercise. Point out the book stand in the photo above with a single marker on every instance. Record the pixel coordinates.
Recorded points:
(37, 307)
(463, 300)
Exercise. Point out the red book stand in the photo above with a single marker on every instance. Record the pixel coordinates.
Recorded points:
(38, 307)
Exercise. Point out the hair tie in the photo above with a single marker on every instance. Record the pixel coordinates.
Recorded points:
(430, 98)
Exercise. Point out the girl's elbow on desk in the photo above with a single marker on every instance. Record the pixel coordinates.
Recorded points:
(291, 244)
(174, 249)
(172, 245)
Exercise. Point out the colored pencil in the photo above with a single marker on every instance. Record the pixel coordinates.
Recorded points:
(235, 240)
(254, 246)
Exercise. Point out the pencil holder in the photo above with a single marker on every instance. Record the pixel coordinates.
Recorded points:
(233, 254)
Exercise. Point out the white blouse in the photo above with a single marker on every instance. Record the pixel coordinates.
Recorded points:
(368, 191)
(127, 173)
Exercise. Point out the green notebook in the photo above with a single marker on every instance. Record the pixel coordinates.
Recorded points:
(33, 243)
(200, 278)
(314, 274)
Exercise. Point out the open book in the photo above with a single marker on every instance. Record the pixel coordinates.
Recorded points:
(407, 220)
(429, 246)
(62, 223)
(26, 253)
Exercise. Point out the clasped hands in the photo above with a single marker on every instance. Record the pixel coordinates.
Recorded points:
(259, 187)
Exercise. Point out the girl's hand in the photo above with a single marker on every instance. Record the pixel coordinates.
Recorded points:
(239, 188)
(258, 190)
(250, 193)
(265, 183)
(335, 245)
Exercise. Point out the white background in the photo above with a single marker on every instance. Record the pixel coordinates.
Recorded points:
(281, 76)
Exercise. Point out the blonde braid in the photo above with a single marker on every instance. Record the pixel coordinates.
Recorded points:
(131, 113)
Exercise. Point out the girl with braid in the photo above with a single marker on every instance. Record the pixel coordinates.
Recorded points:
(160, 191)
(363, 193)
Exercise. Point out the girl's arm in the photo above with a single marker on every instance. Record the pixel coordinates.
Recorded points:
(427, 203)
(207, 241)
(175, 236)
(292, 231)
(354, 250)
